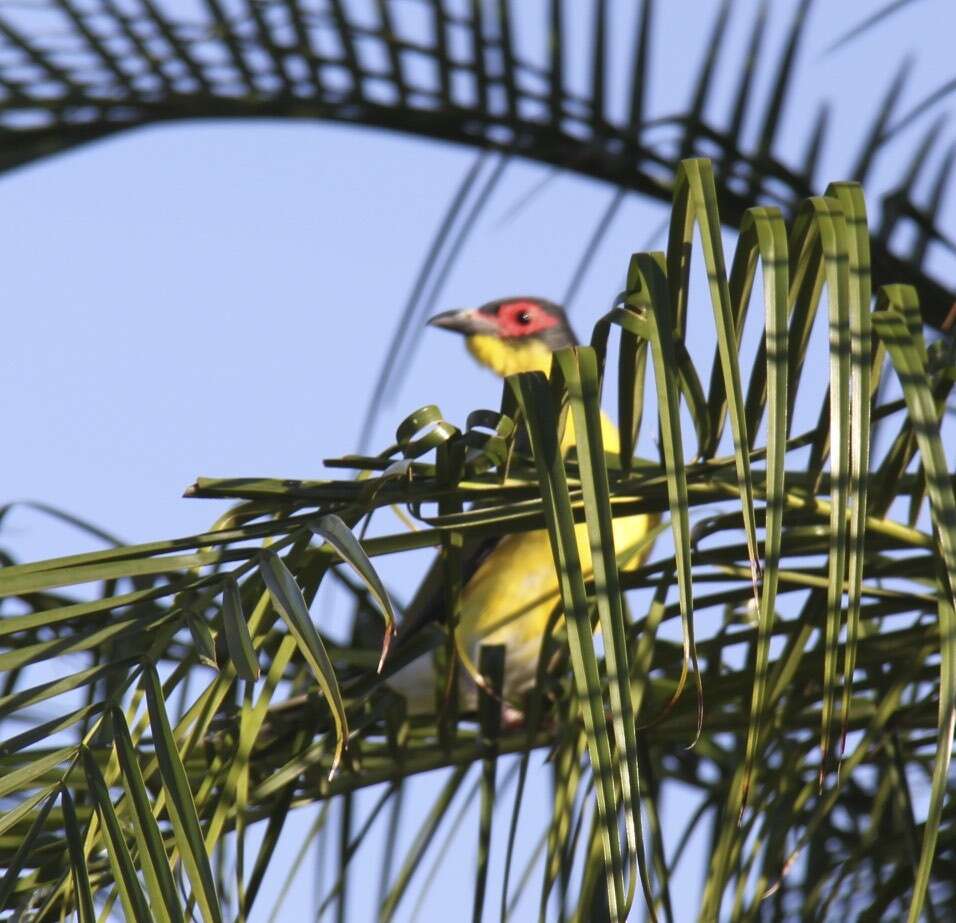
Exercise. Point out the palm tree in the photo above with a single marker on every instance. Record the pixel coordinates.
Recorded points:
(814, 723)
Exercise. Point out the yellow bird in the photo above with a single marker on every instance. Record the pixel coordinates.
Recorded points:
(513, 589)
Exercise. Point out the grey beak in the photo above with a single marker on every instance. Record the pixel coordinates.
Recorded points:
(467, 321)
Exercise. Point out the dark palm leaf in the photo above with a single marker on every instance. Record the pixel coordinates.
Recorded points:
(72, 74)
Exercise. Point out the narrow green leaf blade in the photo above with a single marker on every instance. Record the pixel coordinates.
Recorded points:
(649, 316)
(238, 640)
(695, 202)
(534, 397)
(153, 859)
(124, 872)
(579, 369)
(179, 800)
(288, 600)
(850, 197)
(340, 537)
(764, 232)
(81, 878)
(18, 779)
(15, 864)
(907, 359)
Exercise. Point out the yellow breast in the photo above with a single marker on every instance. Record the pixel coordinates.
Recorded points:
(510, 597)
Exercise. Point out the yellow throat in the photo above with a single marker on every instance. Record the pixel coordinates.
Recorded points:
(506, 357)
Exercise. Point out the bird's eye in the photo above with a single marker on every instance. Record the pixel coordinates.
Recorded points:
(524, 317)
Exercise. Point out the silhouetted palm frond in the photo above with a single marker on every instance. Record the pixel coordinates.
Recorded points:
(72, 72)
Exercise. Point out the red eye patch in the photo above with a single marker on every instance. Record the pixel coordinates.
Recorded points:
(523, 318)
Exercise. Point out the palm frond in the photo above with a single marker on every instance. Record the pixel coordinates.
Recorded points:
(167, 749)
(72, 74)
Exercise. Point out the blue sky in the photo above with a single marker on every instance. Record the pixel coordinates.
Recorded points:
(215, 298)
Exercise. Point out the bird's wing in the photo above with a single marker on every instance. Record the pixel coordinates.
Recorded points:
(427, 606)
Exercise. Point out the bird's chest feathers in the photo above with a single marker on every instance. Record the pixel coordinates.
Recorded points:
(508, 357)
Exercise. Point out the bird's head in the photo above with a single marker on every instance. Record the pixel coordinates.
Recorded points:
(511, 335)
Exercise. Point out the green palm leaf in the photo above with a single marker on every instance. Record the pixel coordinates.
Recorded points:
(201, 747)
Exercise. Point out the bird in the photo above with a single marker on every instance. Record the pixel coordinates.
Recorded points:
(510, 586)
